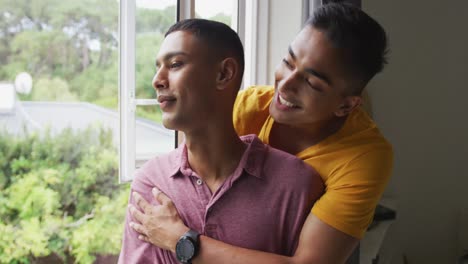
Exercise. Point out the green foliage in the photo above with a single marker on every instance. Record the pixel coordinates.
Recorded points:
(95, 83)
(55, 46)
(153, 113)
(150, 20)
(55, 89)
(221, 17)
(59, 195)
(109, 102)
(43, 53)
(148, 47)
(28, 237)
(70, 49)
(84, 239)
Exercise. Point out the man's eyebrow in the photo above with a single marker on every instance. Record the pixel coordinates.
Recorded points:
(291, 52)
(170, 55)
(310, 70)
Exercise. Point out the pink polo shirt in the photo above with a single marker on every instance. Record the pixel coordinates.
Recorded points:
(261, 206)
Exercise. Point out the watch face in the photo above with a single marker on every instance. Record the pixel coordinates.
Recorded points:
(185, 249)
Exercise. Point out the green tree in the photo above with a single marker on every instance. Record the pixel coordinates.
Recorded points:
(147, 49)
(54, 89)
(58, 38)
(76, 42)
(86, 21)
(154, 21)
(59, 196)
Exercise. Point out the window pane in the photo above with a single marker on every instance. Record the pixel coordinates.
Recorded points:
(153, 19)
(58, 154)
(221, 11)
(70, 51)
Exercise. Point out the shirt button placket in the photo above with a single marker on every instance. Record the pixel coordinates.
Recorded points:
(199, 182)
(204, 198)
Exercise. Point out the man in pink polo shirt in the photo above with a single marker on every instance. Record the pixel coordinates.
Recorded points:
(233, 189)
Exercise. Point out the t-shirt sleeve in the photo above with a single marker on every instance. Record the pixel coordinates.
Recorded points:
(251, 109)
(350, 200)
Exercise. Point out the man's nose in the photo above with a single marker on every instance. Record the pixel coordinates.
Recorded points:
(288, 81)
(160, 79)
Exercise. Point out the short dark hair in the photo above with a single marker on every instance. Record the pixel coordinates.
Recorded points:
(361, 40)
(220, 37)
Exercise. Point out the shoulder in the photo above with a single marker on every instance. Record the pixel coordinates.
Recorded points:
(289, 167)
(358, 167)
(156, 171)
(254, 99)
(251, 109)
(292, 176)
(359, 148)
(372, 163)
(369, 151)
(257, 92)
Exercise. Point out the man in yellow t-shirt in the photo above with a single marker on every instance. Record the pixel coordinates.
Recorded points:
(313, 112)
(355, 162)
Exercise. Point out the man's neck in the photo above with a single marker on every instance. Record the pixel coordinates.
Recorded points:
(304, 137)
(214, 153)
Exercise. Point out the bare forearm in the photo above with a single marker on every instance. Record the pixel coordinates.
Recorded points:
(213, 251)
(318, 243)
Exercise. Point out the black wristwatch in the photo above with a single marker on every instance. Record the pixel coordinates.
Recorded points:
(187, 247)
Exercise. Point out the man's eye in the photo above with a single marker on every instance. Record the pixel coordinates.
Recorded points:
(313, 86)
(287, 63)
(176, 64)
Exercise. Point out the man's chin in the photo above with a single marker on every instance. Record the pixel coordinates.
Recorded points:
(169, 124)
(279, 117)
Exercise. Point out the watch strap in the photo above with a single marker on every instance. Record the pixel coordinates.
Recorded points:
(193, 237)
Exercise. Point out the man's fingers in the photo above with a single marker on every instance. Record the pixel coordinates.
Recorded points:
(141, 202)
(139, 216)
(160, 196)
(138, 228)
(144, 238)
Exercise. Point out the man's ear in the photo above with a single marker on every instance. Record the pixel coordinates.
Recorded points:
(348, 105)
(227, 72)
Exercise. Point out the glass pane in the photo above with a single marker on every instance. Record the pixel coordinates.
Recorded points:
(153, 19)
(69, 50)
(221, 11)
(59, 131)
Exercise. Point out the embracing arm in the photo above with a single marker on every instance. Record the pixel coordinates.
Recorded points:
(318, 242)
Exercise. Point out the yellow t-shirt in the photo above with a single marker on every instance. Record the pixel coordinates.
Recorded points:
(355, 163)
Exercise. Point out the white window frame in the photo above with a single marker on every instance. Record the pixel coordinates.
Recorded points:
(127, 105)
(127, 101)
(256, 44)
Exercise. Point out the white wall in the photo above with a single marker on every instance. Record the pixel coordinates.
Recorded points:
(420, 104)
(284, 24)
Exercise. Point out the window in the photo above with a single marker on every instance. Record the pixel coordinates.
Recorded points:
(153, 19)
(142, 27)
(59, 198)
(221, 11)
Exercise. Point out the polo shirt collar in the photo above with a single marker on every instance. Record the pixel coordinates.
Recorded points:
(180, 161)
(254, 156)
(251, 161)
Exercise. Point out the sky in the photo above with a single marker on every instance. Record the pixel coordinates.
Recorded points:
(206, 8)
